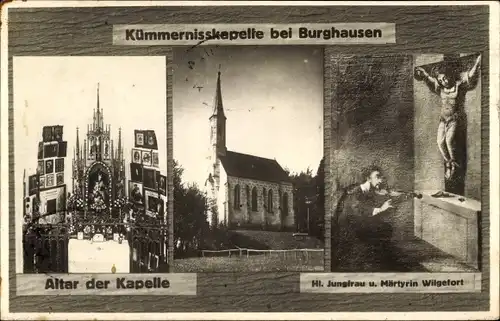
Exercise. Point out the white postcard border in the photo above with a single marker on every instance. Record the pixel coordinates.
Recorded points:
(494, 176)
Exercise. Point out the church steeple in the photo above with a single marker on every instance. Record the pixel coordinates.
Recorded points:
(218, 109)
(218, 123)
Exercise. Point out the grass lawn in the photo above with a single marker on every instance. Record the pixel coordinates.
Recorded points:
(254, 263)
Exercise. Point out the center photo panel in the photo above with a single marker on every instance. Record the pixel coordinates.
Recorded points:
(248, 159)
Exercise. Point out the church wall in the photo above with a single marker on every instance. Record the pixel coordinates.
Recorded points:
(372, 124)
(289, 219)
(222, 197)
(244, 216)
(473, 110)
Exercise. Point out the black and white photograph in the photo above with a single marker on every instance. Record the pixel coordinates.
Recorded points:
(406, 167)
(59, 179)
(49, 166)
(163, 185)
(51, 149)
(136, 194)
(149, 176)
(88, 163)
(40, 150)
(154, 156)
(136, 156)
(59, 165)
(41, 167)
(41, 181)
(139, 139)
(248, 151)
(136, 172)
(49, 180)
(147, 158)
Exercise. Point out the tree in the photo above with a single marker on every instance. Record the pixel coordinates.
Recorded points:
(319, 218)
(309, 197)
(190, 215)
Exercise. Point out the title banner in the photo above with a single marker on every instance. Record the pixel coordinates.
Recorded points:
(106, 284)
(255, 34)
(390, 282)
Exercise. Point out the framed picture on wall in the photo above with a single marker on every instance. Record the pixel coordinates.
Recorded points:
(150, 141)
(41, 167)
(146, 158)
(156, 161)
(136, 172)
(49, 166)
(60, 179)
(58, 133)
(162, 185)
(50, 150)
(139, 138)
(149, 178)
(59, 165)
(63, 147)
(135, 192)
(48, 133)
(136, 156)
(40, 150)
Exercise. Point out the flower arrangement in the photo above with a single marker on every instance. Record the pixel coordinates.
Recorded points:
(120, 202)
(98, 205)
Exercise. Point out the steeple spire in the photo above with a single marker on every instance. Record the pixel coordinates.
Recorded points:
(218, 108)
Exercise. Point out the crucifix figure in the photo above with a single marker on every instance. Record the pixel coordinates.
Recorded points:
(451, 84)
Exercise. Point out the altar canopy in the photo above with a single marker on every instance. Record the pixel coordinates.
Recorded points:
(99, 168)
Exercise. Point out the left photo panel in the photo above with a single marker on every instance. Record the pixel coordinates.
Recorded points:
(90, 161)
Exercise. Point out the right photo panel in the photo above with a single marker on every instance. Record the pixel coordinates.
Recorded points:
(405, 162)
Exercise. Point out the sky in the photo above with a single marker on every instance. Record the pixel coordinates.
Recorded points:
(63, 91)
(272, 97)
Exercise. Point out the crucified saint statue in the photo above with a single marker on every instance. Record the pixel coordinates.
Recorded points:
(451, 85)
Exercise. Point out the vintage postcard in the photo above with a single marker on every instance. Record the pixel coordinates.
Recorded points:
(274, 160)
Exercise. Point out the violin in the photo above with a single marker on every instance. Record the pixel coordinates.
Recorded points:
(397, 196)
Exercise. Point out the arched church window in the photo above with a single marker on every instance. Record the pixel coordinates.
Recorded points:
(264, 197)
(285, 204)
(236, 197)
(248, 195)
(254, 199)
(270, 201)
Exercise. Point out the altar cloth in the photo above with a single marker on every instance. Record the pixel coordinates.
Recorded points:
(85, 256)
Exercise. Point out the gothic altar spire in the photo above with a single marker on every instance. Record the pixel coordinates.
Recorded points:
(120, 151)
(77, 144)
(98, 121)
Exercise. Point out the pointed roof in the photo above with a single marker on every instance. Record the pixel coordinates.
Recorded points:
(120, 151)
(253, 167)
(218, 108)
(77, 144)
(98, 116)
